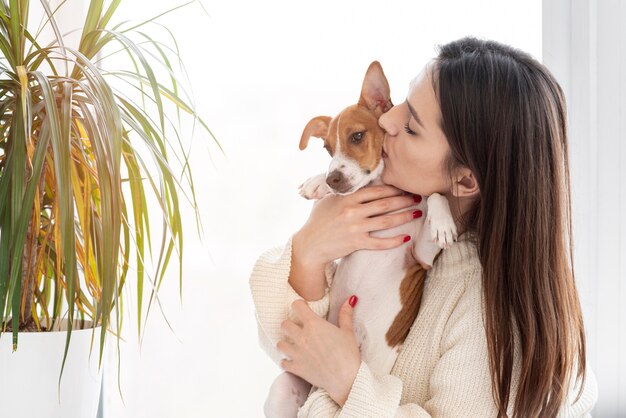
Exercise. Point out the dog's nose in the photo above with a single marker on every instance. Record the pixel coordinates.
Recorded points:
(338, 182)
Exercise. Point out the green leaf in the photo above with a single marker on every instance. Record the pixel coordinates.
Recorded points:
(109, 13)
(62, 161)
(18, 18)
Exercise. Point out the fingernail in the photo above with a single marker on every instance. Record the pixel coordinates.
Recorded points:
(353, 300)
(407, 238)
(417, 214)
(417, 198)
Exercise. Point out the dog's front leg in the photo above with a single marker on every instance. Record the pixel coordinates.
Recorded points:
(440, 221)
(315, 187)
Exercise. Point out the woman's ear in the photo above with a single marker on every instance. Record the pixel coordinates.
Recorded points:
(465, 184)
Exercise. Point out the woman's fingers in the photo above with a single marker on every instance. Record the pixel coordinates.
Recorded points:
(381, 222)
(287, 348)
(339, 225)
(291, 329)
(386, 205)
(368, 194)
(377, 243)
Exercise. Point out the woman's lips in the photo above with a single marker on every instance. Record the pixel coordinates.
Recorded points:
(384, 154)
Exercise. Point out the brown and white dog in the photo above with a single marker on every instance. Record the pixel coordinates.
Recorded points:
(388, 283)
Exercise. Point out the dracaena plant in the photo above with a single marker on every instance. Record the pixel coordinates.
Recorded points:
(76, 139)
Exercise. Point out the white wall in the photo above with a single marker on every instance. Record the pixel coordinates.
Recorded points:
(585, 45)
(260, 71)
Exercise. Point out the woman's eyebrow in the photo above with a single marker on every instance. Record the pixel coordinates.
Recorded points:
(414, 114)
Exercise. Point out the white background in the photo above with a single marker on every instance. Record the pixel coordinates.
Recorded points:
(585, 45)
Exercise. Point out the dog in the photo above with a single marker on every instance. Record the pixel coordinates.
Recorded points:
(387, 308)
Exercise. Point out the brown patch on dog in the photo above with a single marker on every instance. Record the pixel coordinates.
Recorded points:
(411, 290)
(352, 120)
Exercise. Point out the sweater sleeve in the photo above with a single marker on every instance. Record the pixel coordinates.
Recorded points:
(371, 396)
(458, 386)
(581, 407)
(273, 295)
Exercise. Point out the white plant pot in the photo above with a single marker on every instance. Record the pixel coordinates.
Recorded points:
(29, 377)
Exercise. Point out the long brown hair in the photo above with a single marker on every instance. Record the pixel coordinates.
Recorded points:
(504, 117)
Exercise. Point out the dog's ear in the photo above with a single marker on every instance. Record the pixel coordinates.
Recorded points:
(375, 91)
(317, 127)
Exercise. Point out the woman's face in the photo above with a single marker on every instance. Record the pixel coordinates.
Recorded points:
(415, 148)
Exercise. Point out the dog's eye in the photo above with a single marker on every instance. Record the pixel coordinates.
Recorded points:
(356, 137)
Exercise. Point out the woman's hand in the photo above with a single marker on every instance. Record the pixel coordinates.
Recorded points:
(321, 353)
(339, 225)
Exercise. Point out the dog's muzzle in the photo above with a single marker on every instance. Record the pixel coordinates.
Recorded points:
(338, 182)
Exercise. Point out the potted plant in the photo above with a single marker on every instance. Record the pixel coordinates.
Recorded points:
(75, 141)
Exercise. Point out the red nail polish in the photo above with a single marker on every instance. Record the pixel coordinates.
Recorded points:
(407, 238)
(417, 214)
(353, 300)
(417, 198)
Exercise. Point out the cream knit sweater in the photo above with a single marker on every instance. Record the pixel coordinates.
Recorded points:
(442, 369)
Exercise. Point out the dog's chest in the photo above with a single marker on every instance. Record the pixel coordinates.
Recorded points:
(375, 277)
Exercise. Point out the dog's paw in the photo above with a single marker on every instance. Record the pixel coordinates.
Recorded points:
(315, 187)
(440, 221)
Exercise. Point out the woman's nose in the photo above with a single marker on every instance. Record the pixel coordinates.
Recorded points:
(385, 121)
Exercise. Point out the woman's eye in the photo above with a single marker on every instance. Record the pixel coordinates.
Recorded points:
(408, 130)
(358, 136)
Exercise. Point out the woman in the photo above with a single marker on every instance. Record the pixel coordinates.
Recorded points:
(500, 329)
